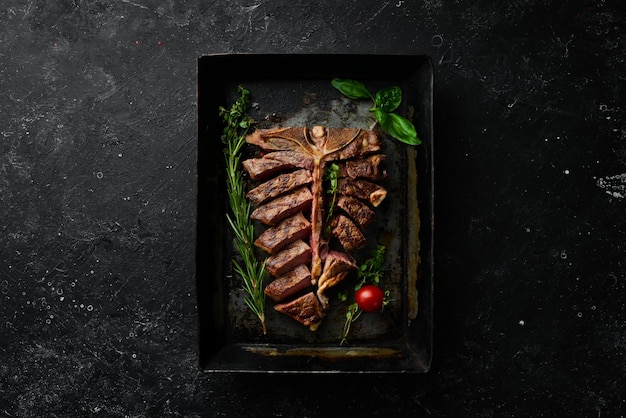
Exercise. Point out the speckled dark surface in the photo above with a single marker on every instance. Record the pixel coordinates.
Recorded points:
(97, 179)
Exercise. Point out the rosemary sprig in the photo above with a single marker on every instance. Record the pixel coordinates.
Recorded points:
(237, 123)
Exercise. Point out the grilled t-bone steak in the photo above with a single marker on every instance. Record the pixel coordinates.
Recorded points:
(308, 242)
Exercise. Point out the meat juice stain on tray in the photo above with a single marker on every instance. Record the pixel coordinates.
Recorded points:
(312, 227)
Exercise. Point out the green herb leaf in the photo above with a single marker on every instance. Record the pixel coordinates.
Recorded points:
(398, 127)
(351, 88)
(385, 102)
(352, 314)
(370, 270)
(388, 99)
(331, 175)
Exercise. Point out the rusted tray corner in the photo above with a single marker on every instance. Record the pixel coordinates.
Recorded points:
(295, 89)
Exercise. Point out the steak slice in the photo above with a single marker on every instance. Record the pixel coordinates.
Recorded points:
(305, 309)
(336, 268)
(348, 234)
(264, 168)
(275, 238)
(324, 300)
(336, 262)
(283, 206)
(275, 162)
(289, 284)
(370, 168)
(357, 210)
(279, 185)
(362, 189)
(296, 253)
(281, 139)
(295, 158)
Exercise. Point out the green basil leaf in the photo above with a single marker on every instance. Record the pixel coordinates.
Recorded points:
(398, 127)
(388, 99)
(383, 118)
(351, 88)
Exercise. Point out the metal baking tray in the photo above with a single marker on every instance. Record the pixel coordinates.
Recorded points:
(295, 90)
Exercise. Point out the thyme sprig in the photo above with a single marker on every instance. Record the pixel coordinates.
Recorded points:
(370, 271)
(252, 271)
(331, 174)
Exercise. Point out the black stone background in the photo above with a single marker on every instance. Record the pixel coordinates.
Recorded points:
(97, 178)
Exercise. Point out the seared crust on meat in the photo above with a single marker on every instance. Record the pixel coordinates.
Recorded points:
(287, 231)
(306, 309)
(279, 185)
(348, 234)
(296, 253)
(276, 162)
(283, 206)
(357, 210)
(370, 168)
(289, 284)
(362, 189)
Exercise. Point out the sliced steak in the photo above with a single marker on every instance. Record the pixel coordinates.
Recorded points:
(296, 253)
(279, 185)
(264, 168)
(357, 210)
(295, 158)
(289, 284)
(362, 189)
(276, 162)
(305, 309)
(283, 206)
(348, 233)
(281, 139)
(291, 229)
(370, 168)
(336, 263)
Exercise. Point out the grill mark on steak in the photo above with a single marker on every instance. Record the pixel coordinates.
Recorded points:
(279, 185)
(296, 253)
(289, 284)
(275, 162)
(362, 189)
(290, 188)
(287, 231)
(357, 210)
(263, 168)
(305, 309)
(295, 158)
(283, 206)
(348, 234)
(370, 168)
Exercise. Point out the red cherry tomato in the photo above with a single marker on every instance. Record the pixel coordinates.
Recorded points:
(370, 298)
